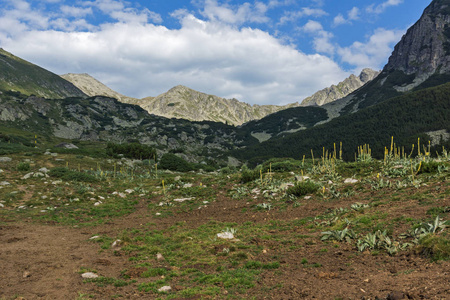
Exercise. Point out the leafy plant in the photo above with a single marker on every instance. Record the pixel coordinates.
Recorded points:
(303, 188)
(339, 235)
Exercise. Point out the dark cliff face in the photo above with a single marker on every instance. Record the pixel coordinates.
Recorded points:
(425, 48)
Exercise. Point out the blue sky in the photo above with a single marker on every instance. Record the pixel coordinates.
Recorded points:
(260, 52)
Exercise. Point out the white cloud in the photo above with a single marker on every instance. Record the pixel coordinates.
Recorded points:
(73, 11)
(145, 60)
(321, 38)
(352, 15)
(292, 16)
(240, 14)
(377, 9)
(373, 53)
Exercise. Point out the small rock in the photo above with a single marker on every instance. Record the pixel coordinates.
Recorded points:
(26, 274)
(97, 203)
(165, 289)
(187, 185)
(1, 205)
(350, 180)
(116, 243)
(44, 170)
(159, 256)
(5, 159)
(38, 174)
(307, 197)
(182, 199)
(225, 235)
(122, 195)
(158, 214)
(4, 183)
(129, 191)
(101, 198)
(178, 178)
(95, 237)
(89, 275)
(27, 176)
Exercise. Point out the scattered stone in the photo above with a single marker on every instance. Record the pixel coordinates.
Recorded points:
(26, 274)
(95, 237)
(187, 185)
(39, 174)
(158, 214)
(116, 243)
(129, 191)
(183, 199)
(1, 205)
(225, 235)
(122, 195)
(165, 289)
(66, 146)
(178, 178)
(307, 197)
(101, 198)
(5, 159)
(56, 182)
(97, 203)
(350, 180)
(89, 275)
(1, 171)
(44, 170)
(27, 176)
(159, 256)
(4, 183)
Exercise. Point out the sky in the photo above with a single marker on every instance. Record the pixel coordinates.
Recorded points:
(257, 51)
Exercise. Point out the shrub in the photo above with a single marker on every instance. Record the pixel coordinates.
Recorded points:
(429, 167)
(436, 247)
(23, 166)
(133, 150)
(248, 175)
(303, 188)
(70, 175)
(170, 161)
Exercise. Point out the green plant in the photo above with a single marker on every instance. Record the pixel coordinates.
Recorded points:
(339, 235)
(303, 188)
(170, 161)
(23, 166)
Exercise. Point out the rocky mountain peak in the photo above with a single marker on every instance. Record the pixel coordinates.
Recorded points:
(340, 90)
(425, 48)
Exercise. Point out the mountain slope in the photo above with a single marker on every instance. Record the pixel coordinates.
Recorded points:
(92, 87)
(419, 114)
(340, 90)
(420, 60)
(19, 75)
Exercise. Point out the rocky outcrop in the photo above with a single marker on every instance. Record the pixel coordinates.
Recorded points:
(425, 48)
(340, 90)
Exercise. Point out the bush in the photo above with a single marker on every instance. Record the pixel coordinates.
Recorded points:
(170, 161)
(69, 175)
(23, 166)
(436, 247)
(303, 188)
(248, 175)
(133, 150)
(282, 165)
(429, 167)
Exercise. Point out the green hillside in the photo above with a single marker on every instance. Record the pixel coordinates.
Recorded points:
(406, 117)
(19, 75)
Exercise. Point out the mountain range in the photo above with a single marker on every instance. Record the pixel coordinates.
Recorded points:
(184, 103)
(409, 98)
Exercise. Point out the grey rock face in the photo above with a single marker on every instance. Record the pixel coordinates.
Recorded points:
(425, 48)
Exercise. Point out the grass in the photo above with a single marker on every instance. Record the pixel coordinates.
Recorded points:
(271, 219)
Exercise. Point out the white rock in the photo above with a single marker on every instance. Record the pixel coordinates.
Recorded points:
(101, 198)
(97, 203)
(307, 197)
(89, 275)
(129, 191)
(178, 178)
(4, 183)
(122, 195)
(28, 175)
(165, 288)
(57, 182)
(1, 171)
(350, 180)
(116, 243)
(1, 205)
(44, 170)
(158, 214)
(225, 235)
(159, 256)
(95, 237)
(5, 159)
(187, 185)
(38, 174)
(182, 199)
